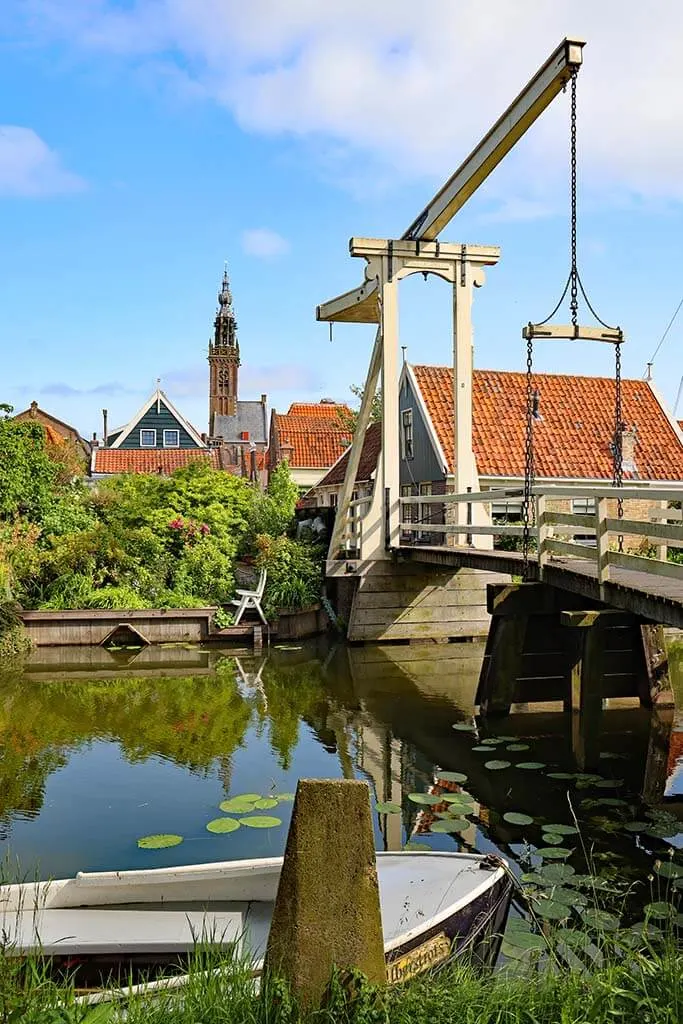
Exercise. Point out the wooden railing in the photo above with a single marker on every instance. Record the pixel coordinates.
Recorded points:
(352, 530)
(554, 533)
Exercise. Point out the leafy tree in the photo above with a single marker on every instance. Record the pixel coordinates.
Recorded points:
(350, 419)
(27, 473)
(274, 511)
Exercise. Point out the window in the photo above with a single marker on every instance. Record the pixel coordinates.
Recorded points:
(148, 438)
(508, 511)
(171, 439)
(583, 507)
(407, 436)
(333, 500)
(408, 512)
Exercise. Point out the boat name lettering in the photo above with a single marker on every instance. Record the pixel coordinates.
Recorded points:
(434, 951)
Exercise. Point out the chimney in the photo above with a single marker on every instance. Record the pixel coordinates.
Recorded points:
(105, 416)
(94, 443)
(629, 440)
(34, 409)
(244, 436)
(264, 399)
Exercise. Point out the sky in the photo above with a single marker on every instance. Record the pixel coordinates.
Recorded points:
(145, 142)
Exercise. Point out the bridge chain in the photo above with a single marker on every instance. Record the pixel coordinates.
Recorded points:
(527, 503)
(617, 478)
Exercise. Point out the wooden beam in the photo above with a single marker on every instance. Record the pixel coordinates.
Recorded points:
(587, 676)
(597, 617)
(502, 666)
(508, 130)
(571, 332)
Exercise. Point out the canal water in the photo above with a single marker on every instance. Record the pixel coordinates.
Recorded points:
(99, 750)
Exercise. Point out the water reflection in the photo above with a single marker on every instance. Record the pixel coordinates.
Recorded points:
(98, 748)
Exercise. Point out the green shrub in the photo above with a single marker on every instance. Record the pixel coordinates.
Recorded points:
(294, 573)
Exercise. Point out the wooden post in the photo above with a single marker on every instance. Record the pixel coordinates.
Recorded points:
(660, 691)
(602, 539)
(544, 532)
(390, 438)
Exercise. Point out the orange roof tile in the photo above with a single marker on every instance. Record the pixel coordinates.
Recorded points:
(372, 445)
(330, 410)
(150, 460)
(317, 442)
(572, 438)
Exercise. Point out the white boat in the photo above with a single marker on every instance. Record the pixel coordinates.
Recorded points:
(128, 925)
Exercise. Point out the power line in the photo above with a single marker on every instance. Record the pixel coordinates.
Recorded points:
(663, 337)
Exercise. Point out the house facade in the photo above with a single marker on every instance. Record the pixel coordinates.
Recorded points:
(158, 439)
(310, 437)
(573, 438)
(56, 429)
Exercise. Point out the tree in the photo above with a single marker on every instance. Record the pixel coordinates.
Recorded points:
(27, 473)
(350, 419)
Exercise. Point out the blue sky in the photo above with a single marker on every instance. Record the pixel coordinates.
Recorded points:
(144, 142)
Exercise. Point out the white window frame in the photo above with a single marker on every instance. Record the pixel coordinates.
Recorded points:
(148, 430)
(171, 430)
(425, 516)
(333, 499)
(583, 507)
(407, 435)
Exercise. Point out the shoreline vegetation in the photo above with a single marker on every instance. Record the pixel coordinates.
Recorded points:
(643, 985)
(139, 541)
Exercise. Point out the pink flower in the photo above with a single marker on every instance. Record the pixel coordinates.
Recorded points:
(204, 529)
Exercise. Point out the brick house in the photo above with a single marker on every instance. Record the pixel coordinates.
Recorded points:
(573, 437)
(56, 429)
(311, 437)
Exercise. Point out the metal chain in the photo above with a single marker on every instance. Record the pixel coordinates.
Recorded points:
(527, 511)
(617, 477)
(573, 273)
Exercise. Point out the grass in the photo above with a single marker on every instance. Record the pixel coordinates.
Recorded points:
(645, 987)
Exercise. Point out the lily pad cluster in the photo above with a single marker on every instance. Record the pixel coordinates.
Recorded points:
(238, 812)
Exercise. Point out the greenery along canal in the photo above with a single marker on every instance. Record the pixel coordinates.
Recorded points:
(93, 760)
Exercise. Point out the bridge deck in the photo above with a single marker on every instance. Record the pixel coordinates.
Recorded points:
(657, 598)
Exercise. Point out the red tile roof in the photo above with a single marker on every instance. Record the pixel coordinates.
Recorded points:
(572, 439)
(316, 441)
(150, 460)
(372, 445)
(330, 410)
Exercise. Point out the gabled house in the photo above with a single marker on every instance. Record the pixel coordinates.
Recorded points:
(310, 437)
(573, 436)
(158, 439)
(56, 429)
(326, 492)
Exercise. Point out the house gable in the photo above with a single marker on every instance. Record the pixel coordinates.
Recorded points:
(428, 462)
(158, 414)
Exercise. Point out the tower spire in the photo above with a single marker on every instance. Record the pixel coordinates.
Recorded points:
(224, 357)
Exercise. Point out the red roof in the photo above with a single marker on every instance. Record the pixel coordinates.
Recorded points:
(372, 445)
(572, 438)
(150, 460)
(318, 410)
(316, 441)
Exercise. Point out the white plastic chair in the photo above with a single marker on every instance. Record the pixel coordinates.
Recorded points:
(251, 599)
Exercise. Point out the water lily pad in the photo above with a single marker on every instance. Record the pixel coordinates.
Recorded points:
(667, 869)
(561, 830)
(609, 783)
(451, 776)
(551, 839)
(535, 878)
(551, 910)
(388, 808)
(266, 803)
(415, 846)
(221, 825)
(162, 841)
(464, 727)
(599, 920)
(261, 821)
(450, 825)
(518, 746)
(427, 799)
(496, 766)
(608, 755)
(610, 801)
(531, 766)
(660, 910)
(636, 826)
(557, 873)
(515, 939)
(517, 818)
(284, 797)
(493, 741)
(563, 776)
(239, 804)
(487, 748)
(554, 852)
(569, 897)
(458, 798)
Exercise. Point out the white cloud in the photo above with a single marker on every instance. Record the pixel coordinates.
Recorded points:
(264, 243)
(406, 89)
(28, 167)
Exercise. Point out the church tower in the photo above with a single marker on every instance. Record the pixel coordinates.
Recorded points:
(224, 358)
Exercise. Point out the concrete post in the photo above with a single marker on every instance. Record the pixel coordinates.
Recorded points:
(327, 910)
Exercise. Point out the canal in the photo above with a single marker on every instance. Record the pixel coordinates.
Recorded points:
(99, 750)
